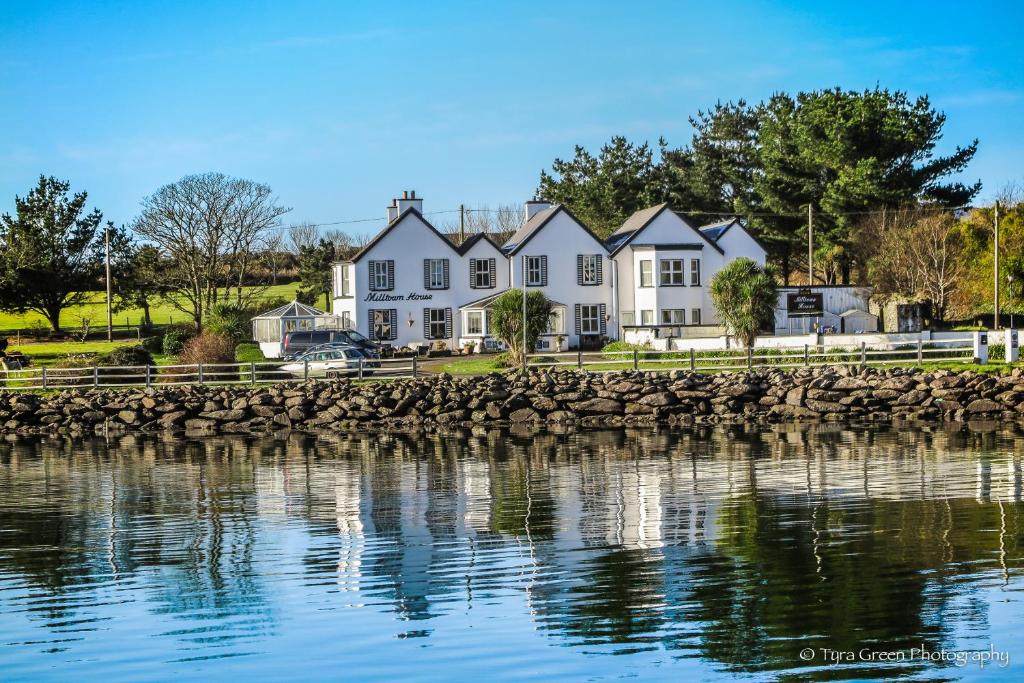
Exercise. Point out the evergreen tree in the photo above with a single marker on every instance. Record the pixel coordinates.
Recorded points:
(51, 251)
(315, 263)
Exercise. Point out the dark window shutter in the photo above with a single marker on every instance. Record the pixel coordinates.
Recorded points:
(579, 321)
(543, 271)
(426, 323)
(600, 319)
(600, 267)
(447, 323)
(579, 269)
(444, 265)
(373, 285)
(394, 315)
(473, 266)
(391, 279)
(369, 323)
(492, 276)
(426, 273)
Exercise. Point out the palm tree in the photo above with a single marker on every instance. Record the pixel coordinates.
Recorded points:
(744, 294)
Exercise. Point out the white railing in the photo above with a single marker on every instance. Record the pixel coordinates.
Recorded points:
(202, 373)
(955, 350)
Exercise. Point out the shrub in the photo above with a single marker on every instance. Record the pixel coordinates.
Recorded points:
(208, 349)
(231, 321)
(153, 344)
(125, 356)
(110, 368)
(175, 338)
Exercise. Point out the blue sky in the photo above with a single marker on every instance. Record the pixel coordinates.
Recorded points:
(341, 105)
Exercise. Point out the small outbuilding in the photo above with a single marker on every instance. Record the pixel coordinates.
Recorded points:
(269, 329)
(855, 320)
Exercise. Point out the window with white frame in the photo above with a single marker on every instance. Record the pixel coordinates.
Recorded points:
(588, 269)
(380, 274)
(673, 316)
(382, 324)
(346, 320)
(695, 317)
(628, 319)
(695, 272)
(590, 319)
(671, 272)
(435, 273)
(647, 317)
(646, 273)
(535, 271)
(556, 322)
(345, 283)
(437, 323)
(480, 274)
(474, 323)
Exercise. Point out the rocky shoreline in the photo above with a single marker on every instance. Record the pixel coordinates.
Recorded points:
(562, 397)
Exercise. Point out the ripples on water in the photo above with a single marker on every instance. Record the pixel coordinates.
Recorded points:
(680, 555)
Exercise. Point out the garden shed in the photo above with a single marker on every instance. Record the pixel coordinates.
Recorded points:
(269, 329)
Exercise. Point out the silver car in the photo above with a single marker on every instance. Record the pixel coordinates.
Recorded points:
(336, 361)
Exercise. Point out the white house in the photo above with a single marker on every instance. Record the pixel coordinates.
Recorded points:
(412, 285)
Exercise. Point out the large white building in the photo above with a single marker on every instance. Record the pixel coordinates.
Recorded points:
(412, 285)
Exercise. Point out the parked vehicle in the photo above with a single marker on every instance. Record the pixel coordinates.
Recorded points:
(296, 343)
(335, 361)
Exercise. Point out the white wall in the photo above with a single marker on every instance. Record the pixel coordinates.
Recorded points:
(561, 240)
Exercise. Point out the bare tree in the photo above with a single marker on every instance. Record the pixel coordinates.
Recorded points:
(919, 256)
(302, 235)
(210, 225)
(500, 223)
(273, 253)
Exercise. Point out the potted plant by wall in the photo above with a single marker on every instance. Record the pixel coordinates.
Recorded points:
(559, 340)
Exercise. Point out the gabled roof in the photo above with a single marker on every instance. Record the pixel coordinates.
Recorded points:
(639, 221)
(392, 225)
(715, 231)
(537, 223)
(293, 309)
(486, 301)
(472, 240)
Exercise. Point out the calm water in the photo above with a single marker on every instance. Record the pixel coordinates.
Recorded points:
(677, 555)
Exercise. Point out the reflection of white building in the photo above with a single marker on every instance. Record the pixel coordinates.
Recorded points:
(412, 285)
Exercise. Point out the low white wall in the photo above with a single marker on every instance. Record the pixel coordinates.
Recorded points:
(874, 340)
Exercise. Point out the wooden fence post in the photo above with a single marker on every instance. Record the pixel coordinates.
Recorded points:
(305, 370)
(636, 359)
(693, 360)
(360, 361)
(750, 357)
(252, 373)
(414, 367)
(863, 355)
(807, 355)
(200, 368)
(579, 358)
(44, 378)
(920, 351)
(149, 381)
(95, 375)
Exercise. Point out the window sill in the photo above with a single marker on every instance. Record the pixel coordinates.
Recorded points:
(667, 285)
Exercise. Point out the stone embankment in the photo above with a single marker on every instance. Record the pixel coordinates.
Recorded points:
(619, 398)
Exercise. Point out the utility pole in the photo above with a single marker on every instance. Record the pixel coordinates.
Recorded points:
(810, 244)
(462, 223)
(995, 268)
(110, 310)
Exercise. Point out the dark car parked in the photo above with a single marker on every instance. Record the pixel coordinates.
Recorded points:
(296, 343)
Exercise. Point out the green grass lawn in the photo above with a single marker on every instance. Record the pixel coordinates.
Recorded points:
(473, 365)
(95, 310)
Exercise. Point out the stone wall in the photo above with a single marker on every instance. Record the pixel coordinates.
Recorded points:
(566, 396)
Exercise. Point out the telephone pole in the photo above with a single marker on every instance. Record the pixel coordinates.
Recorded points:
(995, 269)
(462, 223)
(810, 244)
(110, 310)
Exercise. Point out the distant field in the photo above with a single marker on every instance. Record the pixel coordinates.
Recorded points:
(95, 310)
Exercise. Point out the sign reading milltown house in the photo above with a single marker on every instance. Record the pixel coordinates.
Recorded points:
(804, 303)
(384, 296)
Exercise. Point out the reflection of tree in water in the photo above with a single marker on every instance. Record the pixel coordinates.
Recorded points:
(96, 516)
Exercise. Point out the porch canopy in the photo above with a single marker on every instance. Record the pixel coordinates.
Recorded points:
(272, 326)
(482, 326)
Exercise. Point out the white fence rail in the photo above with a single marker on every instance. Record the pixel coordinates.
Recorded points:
(203, 373)
(958, 350)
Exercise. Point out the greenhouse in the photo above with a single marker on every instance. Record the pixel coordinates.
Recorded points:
(269, 329)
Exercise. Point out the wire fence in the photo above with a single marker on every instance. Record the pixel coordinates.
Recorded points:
(957, 350)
